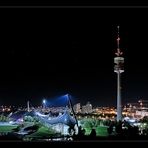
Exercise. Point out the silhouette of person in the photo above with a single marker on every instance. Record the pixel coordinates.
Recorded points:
(81, 132)
(93, 133)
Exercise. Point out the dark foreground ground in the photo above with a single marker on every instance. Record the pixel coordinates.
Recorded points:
(119, 138)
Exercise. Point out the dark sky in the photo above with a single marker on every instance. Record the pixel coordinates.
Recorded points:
(51, 52)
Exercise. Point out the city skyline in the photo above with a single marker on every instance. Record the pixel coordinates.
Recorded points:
(45, 53)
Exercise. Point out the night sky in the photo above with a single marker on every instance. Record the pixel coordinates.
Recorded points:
(46, 53)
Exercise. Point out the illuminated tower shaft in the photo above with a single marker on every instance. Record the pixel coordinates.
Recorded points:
(119, 103)
(28, 108)
(118, 68)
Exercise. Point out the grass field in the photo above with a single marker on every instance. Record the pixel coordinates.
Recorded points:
(7, 128)
(100, 131)
(42, 132)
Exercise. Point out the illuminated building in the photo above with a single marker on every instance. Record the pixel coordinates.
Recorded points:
(87, 108)
(77, 108)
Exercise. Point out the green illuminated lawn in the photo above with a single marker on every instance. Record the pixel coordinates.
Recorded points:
(6, 128)
(42, 132)
(100, 131)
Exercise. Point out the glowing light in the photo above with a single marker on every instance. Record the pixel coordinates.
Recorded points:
(44, 101)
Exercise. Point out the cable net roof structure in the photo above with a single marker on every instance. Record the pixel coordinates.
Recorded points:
(65, 118)
(20, 114)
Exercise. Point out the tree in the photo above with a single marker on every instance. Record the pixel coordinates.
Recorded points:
(144, 119)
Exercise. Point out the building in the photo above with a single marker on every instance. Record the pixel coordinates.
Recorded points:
(141, 113)
(87, 108)
(77, 108)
